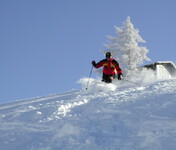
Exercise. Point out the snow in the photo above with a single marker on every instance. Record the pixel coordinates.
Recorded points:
(117, 116)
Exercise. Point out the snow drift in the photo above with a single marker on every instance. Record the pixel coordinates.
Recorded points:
(105, 117)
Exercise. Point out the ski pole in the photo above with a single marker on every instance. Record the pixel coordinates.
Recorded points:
(89, 77)
(131, 82)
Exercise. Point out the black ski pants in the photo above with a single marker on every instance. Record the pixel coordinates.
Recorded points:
(108, 78)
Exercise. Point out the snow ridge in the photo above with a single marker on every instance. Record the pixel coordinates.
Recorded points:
(104, 117)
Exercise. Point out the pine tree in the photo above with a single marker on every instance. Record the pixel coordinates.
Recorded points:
(125, 48)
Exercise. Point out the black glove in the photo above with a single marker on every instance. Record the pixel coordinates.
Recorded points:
(93, 63)
(119, 76)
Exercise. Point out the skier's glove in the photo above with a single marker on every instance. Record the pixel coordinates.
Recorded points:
(119, 76)
(93, 63)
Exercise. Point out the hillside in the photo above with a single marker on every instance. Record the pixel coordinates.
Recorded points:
(102, 118)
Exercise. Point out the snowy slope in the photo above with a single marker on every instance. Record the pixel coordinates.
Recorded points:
(102, 118)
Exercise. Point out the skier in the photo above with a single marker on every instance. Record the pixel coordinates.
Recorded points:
(111, 68)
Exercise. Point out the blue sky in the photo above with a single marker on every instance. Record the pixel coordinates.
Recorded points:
(47, 45)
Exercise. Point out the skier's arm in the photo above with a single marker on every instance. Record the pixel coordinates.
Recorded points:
(119, 70)
(99, 64)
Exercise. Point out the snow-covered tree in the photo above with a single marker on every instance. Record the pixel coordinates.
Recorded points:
(125, 46)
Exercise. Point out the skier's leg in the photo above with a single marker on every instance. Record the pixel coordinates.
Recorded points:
(105, 78)
(111, 77)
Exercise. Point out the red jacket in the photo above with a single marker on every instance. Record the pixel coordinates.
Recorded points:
(110, 67)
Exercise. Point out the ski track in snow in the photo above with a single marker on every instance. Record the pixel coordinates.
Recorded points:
(127, 118)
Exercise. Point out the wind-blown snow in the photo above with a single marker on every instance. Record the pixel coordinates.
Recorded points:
(104, 117)
(93, 85)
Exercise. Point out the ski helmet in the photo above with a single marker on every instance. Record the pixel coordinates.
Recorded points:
(108, 55)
